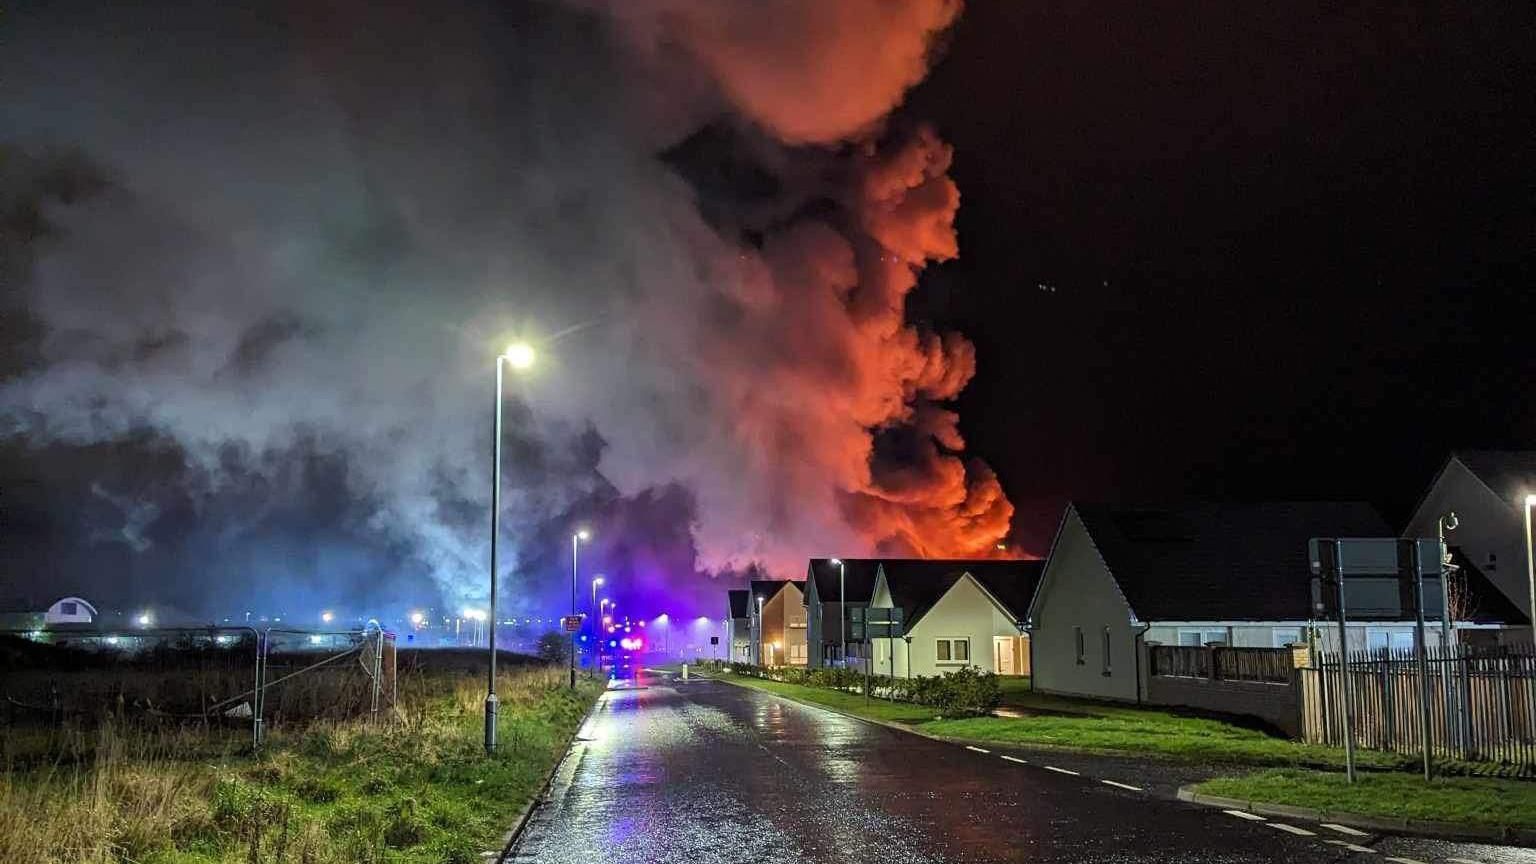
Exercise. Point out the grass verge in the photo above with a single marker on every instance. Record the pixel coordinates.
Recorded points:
(1479, 801)
(1090, 726)
(415, 790)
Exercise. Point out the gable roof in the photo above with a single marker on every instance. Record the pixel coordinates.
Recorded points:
(1511, 474)
(917, 584)
(1220, 561)
(740, 608)
(769, 589)
(858, 584)
(1485, 603)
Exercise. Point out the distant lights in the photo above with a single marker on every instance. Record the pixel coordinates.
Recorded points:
(145, 619)
(417, 618)
(327, 616)
(315, 639)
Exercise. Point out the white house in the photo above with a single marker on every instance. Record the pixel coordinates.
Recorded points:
(1234, 574)
(1486, 489)
(956, 614)
(70, 610)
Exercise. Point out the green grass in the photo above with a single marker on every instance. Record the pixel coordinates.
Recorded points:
(1090, 726)
(1465, 800)
(415, 790)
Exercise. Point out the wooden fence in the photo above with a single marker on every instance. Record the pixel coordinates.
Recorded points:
(1482, 701)
(1266, 665)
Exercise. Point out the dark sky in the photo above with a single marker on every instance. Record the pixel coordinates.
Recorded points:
(1289, 247)
(1205, 250)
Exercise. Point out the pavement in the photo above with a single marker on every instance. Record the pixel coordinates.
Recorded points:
(704, 771)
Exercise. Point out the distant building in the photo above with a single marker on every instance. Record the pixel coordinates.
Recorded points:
(778, 623)
(740, 636)
(956, 614)
(1486, 489)
(70, 610)
(830, 590)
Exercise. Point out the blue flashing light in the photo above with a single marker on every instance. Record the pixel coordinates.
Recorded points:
(613, 643)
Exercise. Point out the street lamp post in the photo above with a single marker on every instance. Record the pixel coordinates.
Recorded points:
(519, 356)
(576, 540)
(760, 630)
(596, 581)
(1530, 559)
(842, 610)
(666, 634)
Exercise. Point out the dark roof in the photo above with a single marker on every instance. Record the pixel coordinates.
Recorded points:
(1220, 562)
(739, 605)
(917, 584)
(1511, 474)
(769, 588)
(858, 585)
(1485, 603)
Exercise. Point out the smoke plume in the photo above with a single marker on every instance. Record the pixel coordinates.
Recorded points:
(296, 238)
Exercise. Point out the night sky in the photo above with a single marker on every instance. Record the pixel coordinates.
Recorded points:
(1290, 249)
(1204, 250)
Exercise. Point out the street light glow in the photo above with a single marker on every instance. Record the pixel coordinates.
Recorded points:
(583, 535)
(327, 617)
(1530, 500)
(519, 355)
(597, 581)
(417, 618)
(144, 619)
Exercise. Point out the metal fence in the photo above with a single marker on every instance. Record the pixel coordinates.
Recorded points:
(1481, 700)
(212, 678)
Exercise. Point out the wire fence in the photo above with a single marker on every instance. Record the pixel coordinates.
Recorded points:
(214, 680)
(1481, 701)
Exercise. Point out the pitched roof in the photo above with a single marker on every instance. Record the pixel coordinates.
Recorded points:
(1485, 603)
(1217, 561)
(917, 584)
(858, 584)
(769, 588)
(1511, 474)
(740, 608)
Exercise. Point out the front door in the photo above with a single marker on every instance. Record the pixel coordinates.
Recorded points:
(1002, 655)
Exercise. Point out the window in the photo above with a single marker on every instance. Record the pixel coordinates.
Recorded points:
(1106, 651)
(69, 608)
(796, 653)
(952, 650)
(1379, 638)
(1077, 636)
(1195, 637)
(1284, 637)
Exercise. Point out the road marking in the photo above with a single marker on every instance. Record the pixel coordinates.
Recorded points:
(1121, 785)
(977, 749)
(1060, 770)
(1462, 861)
(1292, 829)
(1015, 759)
(1353, 847)
(1244, 814)
(1405, 860)
(1345, 829)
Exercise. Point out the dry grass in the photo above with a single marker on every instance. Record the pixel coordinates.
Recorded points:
(323, 792)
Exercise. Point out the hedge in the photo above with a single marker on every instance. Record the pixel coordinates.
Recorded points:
(966, 692)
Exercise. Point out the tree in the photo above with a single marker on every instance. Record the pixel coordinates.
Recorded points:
(554, 647)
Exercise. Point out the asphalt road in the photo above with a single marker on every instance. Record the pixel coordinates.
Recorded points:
(705, 771)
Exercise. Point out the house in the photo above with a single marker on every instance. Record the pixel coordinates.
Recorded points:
(1234, 574)
(1486, 489)
(740, 636)
(956, 614)
(777, 611)
(70, 610)
(831, 586)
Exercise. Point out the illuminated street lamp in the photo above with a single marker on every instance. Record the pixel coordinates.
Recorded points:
(327, 616)
(666, 633)
(576, 540)
(145, 619)
(520, 357)
(842, 610)
(596, 581)
(416, 619)
(1530, 557)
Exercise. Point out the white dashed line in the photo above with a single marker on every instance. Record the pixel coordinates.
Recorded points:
(1345, 829)
(1405, 860)
(1015, 759)
(1060, 770)
(1462, 861)
(1292, 829)
(1121, 785)
(1244, 814)
(976, 749)
(1353, 847)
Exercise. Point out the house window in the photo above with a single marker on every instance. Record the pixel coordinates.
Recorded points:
(952, 650)
(1284, 637)
(1195, 637)
(1106, 651)
(796, 653)
(1380, 638)
(69, 608)
(1077, 636)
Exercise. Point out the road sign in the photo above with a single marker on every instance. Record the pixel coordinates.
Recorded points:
(571, 623)
(714, 640)
(1376, 585)
(875, 623)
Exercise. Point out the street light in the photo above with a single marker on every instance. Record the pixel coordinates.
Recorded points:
(666, 633)
(145, 619)
(576, 540)
(842, 610)
(596, 581)
(417, 618)
(327, 617)
(1530, 558)
(519, 356)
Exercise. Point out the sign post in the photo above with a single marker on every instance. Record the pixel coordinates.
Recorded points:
(571, 623)
(1408, 562)
(1330, 559)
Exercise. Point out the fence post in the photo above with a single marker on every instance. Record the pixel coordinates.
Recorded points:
(1388, 710)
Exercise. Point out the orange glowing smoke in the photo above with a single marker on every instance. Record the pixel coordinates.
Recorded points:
(809, 356)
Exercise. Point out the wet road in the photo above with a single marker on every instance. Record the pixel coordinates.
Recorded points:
(705, 771)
